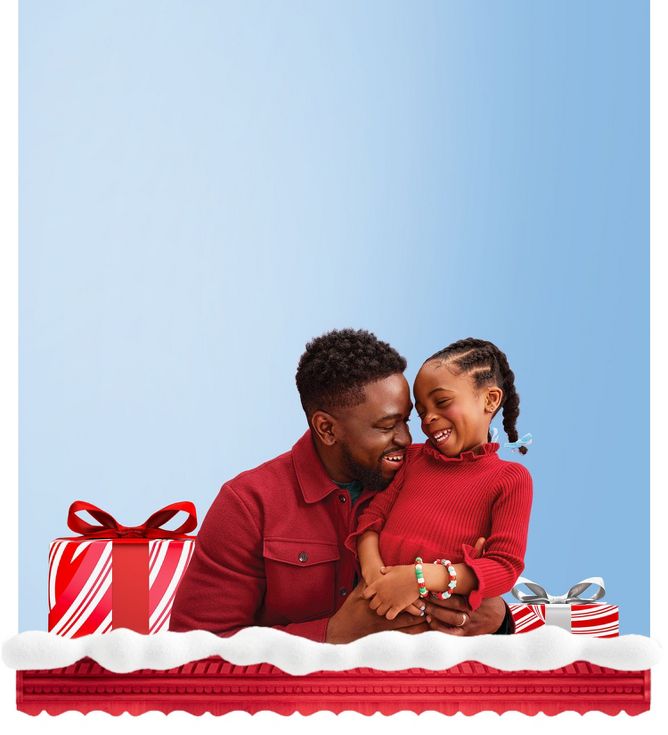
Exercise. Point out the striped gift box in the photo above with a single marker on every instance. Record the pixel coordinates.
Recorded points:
(571, 611)
(596, 619)
(83, 588)
(127, 580)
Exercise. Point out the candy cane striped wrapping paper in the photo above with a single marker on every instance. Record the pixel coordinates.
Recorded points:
(81, 579)
(595, 619)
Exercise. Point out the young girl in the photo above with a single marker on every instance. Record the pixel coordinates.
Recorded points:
(451, 490)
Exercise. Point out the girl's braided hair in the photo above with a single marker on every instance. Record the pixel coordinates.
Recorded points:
(486, 364)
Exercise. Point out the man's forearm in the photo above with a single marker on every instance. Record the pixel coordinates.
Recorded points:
(454, 616)
(314, 630)
(507, 627)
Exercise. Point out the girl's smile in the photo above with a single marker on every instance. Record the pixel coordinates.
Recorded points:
(440, 437)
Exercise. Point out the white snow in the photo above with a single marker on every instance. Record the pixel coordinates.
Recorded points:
(124, 650)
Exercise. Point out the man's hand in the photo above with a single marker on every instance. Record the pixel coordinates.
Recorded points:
(354, 619)
(454, 616)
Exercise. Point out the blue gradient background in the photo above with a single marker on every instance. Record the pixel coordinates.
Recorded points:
(207, 185)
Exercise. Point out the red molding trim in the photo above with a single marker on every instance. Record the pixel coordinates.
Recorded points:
(216, 686)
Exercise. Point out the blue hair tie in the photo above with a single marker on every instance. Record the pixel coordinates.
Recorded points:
(521, 442)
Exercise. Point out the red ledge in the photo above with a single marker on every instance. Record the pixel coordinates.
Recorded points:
(216, 686)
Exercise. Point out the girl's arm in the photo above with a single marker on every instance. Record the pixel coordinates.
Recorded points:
(382, 599)
(503, 561)
(373, 516)
(436, 578)
(393, 588)
(497, 571)
(369, 556)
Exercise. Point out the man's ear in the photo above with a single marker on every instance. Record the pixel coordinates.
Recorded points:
(493, 398)
(323, 426)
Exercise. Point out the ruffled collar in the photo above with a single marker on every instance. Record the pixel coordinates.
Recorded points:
(484, 450)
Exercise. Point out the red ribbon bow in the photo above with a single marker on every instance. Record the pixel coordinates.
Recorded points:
(151, 528)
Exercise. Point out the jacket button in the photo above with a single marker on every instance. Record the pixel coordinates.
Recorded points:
(342, 498)
(343, 591)
(303, 556)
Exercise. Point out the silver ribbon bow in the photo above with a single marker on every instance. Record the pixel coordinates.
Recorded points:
(557, 607)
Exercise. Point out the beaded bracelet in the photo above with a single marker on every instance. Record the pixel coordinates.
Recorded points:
(452, 573)
(420, 577)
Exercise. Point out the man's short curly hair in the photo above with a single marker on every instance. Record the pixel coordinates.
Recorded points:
(336, 366)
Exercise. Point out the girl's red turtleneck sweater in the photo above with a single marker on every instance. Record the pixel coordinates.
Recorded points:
(438, 506)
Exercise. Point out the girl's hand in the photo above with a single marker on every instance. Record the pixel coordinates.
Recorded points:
(394, 592)
(371, 575)
(416, 608)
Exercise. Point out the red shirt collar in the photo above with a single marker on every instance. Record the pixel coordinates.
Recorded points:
(314, 482)
(489, 449)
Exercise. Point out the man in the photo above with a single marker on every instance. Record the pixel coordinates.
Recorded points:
(271, 548)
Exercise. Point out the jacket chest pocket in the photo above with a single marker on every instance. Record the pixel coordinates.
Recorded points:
(301, 578)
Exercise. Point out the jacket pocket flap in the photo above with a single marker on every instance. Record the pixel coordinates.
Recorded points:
(300, 553)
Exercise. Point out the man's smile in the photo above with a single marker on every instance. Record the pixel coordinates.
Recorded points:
(394, 458)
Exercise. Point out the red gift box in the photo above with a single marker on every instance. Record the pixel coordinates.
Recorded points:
(578, 615)
(115, 576)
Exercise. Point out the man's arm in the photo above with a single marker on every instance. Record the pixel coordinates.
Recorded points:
(224, 585)
(447, 616)
(507, 627)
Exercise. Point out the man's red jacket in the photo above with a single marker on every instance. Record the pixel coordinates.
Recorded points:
(271, 551)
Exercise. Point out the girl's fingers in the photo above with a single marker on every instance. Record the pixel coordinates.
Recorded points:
(415, 610)
(393, 612)
(368, 593)
(375, 603)
(385, 570)
(479, 548)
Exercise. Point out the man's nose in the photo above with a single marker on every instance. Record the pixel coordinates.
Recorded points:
(403, 436)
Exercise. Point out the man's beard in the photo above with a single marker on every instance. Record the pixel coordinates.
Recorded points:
(370, 479)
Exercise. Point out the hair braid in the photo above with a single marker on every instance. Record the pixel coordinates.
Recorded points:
(511, 403)
(486, 363)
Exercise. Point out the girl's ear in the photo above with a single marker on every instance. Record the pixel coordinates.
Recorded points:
(493, 398)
